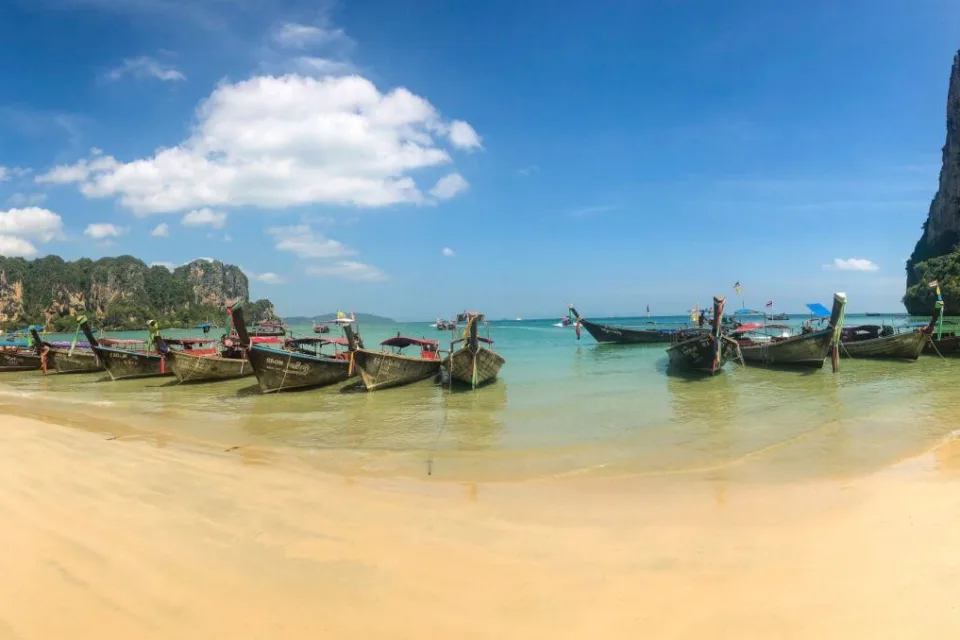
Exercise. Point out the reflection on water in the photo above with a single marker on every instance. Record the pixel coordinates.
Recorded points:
(561, 407)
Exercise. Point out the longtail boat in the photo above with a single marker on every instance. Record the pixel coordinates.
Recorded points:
(127, 359)
(321, 328)
(474, 363)
(67, 357)
(269, 328)
(618, 335)
(383, 369)
(295, 368)
(883, 341)
(809, 349)
(196, 360)
(21, 359)
(700, 350)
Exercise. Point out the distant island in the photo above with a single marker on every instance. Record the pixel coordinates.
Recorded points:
(121, 293)
(367, 318)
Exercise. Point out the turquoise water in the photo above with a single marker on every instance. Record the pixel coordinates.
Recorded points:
(561, 407)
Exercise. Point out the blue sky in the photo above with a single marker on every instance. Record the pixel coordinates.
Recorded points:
(416, 159)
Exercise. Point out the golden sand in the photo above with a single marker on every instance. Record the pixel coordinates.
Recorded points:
(144, 538)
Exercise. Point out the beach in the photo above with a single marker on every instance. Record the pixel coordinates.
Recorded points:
(148, 536)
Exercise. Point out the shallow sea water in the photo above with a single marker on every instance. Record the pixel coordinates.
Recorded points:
(562, 407)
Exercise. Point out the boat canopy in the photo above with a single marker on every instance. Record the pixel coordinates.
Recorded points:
(189, 341)
(204, 325)
(115, 341)
(318, 340)
(61, 344)
(818, 309)
(757, 326)
(402, 342)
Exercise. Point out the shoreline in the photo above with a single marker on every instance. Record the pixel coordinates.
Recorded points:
(135, 539)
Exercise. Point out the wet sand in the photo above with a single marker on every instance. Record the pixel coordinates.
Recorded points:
(144, 537)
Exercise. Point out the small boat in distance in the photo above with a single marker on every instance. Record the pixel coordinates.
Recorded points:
(701, 350)
(564, 322)
(320, 328)
(272, 328)
(383, 369)
(873, 314)
(777, 316)
(618, 335)
(474, 363)
(445, 325)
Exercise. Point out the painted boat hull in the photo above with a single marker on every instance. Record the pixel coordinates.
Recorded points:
(19, 361)
(623, 335)
(947, 345)
(127, 365)
(287, 371)
(193, 368)
(80, 361)
(460, 364)
(808, 350)
(901, 346)
(381, 370)
(696, 354)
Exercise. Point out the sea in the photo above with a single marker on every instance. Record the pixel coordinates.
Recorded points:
(562, 407)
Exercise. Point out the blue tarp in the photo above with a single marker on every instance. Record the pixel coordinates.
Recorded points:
(818, 309)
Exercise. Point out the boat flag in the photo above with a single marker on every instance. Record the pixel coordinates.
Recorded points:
(736, 287)
(935, 284)
(769, 304)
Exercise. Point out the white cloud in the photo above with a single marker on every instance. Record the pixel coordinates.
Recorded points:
(348, 271)
(449, 186)
(526, 172)
(4, 174)
(299, 36)
(463, 136)
(12, 246)
(145, 67)
(27, 198)
(168, 265)
(588, 211)
(205, 217)
(276, 142)
(268, 278)
(310, 65)
(32, 222)
(103, 230)
(851, 264)
(448, 252)
(162, 230)
(81, 171)
(301, 240)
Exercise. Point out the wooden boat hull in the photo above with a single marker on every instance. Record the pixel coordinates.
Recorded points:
(126, 365)
(696, 354)
(902, 346)
(808, 350)
(623, 335)
(947, 345)
(193, 368)
(80, 361)
(19, 361)
(460, 364)
(381, 370)
(287, 371)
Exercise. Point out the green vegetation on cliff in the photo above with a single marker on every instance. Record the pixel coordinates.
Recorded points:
(120, 293)
(920, 298)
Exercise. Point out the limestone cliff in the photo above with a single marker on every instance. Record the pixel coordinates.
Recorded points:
(935, 255)
(120, 292)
